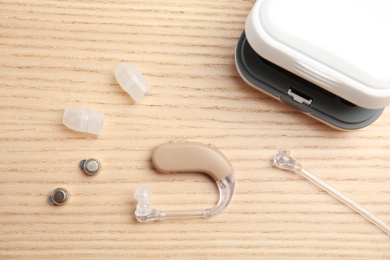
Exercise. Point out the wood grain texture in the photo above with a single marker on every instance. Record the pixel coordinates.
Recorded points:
(56, 54)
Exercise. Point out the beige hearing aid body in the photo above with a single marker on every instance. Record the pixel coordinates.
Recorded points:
(185, 157)
(191, 157)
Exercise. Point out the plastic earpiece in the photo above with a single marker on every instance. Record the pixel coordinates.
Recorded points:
(284, 161)
(83, 120)
(132, 81)
(188, 157)
(144, 212)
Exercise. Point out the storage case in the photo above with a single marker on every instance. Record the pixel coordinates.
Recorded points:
(327, 58)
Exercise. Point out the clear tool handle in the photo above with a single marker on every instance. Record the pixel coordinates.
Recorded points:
(284, 161)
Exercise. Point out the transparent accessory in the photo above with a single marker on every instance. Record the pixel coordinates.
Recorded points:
(132, 81)
(83, 120)
(145, 213)
(284, 161)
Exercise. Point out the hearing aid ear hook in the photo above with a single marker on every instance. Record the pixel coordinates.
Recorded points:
(188, 157)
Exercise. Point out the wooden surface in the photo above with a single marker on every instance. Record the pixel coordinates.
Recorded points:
(56, 54)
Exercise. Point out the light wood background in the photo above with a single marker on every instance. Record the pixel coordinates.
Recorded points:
(56, 54)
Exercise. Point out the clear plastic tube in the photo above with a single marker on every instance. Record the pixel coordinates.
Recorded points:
(145, 213)
(284, 161)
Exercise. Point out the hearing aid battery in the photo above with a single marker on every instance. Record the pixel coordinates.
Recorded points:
(90, 166)
(59, 197)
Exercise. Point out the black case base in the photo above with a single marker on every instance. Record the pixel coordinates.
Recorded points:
(300, 93)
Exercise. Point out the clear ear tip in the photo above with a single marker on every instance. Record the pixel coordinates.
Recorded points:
(142, 193)
(143, 209)
(131, 81)
(284, 161)
(83, 120)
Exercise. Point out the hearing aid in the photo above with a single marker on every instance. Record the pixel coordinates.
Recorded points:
(186, 157)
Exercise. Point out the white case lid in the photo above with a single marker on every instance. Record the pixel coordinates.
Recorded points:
(341, 45)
